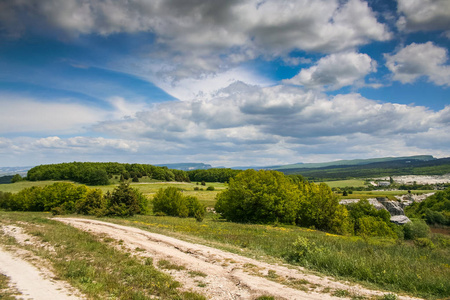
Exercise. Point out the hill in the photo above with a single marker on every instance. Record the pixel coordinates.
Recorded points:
(390, 167)
(186, 166)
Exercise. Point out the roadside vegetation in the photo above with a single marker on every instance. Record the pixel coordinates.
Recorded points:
(94, 264)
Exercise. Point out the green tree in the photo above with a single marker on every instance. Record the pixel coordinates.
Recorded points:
(16, 178)
(259, 197)
(125, 201)
(93, 204)
(171, 202)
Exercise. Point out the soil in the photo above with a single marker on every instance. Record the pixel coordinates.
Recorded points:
(219, 274)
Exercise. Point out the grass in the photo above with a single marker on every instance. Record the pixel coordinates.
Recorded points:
(387, 264)
(374, 194)
(6, 292)
(96, 268)
(346, 183)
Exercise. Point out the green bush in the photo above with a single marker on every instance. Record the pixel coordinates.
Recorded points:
(93, 204)
(416, 229)
(210, 188)
(424, 243)
(372, 226)
(126, 201)
(172, 202)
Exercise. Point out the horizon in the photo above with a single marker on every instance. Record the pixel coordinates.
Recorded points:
(224, 83)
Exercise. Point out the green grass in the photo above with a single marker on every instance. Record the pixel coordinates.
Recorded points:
(387, 264)
(346, 183)
(93, 265)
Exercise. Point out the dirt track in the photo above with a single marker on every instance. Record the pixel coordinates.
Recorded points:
(224, 275)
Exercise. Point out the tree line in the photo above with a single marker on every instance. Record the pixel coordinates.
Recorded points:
(212, 175)
(96, 173)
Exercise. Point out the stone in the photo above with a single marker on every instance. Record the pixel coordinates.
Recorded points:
(400, 220)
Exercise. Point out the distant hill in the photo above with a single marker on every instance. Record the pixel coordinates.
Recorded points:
(400, 166)
(186, 166)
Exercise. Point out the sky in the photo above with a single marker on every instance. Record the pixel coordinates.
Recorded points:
(229, 83)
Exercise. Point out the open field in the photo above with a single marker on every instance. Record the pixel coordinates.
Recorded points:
(387, 194)
(345, 183)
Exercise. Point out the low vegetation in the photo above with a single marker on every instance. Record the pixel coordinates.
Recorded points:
(435, 210)
(94, 265)
(170, 201)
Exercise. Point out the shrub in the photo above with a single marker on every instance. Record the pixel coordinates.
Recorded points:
(126, 201)
(93, 204)
(372, 226)
(424, 243)
(210, 188)
(172, 202)
(416, 229)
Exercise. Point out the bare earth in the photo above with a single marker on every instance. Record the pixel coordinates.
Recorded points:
(223, 275)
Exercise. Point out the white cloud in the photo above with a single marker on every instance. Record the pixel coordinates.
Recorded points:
(335, 71)
(416, 60)
(424, 15)
(30, 115)
(197, 37)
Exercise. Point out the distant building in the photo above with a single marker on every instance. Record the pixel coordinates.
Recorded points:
(384, 183)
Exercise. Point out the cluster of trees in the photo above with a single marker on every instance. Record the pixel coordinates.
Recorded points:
(212, 175)
(170, 201)
(434, 210)
(271, 197)
(94, 173)
(66, 198)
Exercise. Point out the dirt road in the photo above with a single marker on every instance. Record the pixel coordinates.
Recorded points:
(27, 279)
(218, 274)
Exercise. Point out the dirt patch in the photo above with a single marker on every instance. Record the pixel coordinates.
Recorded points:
(219, 274)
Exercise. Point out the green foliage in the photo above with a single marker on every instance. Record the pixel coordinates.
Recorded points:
(126, 201)
(92, 173)
(16, 178)
(435, 209)
(259, 197)
(210, 188)
(93, 204)
(213, 175)
(424, 243)
(172, 202)
(369, 221)
(416, 229)
(269, 197)
(372, 226)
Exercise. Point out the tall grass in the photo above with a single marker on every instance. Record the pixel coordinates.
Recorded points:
(392, 265)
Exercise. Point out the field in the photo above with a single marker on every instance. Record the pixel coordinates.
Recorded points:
(345, 183)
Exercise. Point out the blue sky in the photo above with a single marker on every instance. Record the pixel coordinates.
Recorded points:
(223, 82)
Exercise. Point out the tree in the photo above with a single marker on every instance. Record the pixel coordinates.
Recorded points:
(125, 201)
(170, 201)
(93, 204)
(259, 197)
(16, 178)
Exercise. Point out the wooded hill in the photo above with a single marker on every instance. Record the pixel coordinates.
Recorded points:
(396, 167)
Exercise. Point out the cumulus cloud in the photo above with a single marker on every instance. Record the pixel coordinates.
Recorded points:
(244, 118)
(424, 15)
(417, 60)
(335, 71)
(206, 36)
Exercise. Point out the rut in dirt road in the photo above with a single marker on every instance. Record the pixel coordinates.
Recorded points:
(224, 275)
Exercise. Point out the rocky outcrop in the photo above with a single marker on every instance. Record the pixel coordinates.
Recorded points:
(400, 220)
(393, 207)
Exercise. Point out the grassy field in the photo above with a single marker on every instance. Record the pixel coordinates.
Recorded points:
(346, 183)
(147, 188)
(374, 194)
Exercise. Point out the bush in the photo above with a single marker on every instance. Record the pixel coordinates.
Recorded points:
(210, 188)
(424, 243)
(172, 202)
(93, 204)
(372, 226)
(126, 201)
(416, 229)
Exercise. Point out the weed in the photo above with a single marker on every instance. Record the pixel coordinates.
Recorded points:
(197, 273)
(165, 264)
(341, 293)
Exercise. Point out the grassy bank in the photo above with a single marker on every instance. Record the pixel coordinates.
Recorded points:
(395, 266)
(93, 264)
